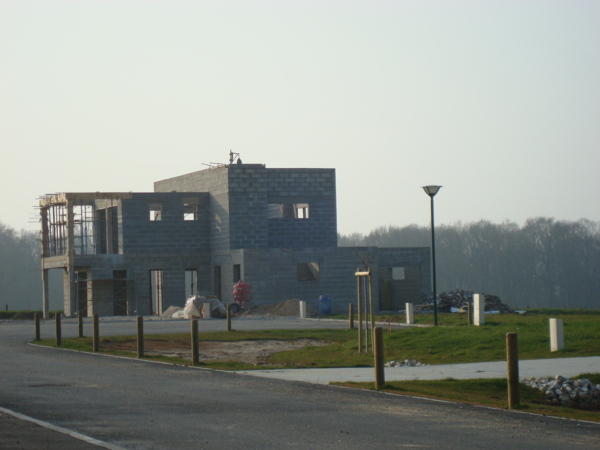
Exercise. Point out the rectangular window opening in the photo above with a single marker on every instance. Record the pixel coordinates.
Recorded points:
(237, 273)
(191, 282)
(308, 271)
(190, 209)
(398, 273)
(155, 212)
(289, 211)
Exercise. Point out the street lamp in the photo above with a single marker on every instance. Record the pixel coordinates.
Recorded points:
(431, 191)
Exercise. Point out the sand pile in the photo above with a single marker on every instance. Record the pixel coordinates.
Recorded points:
(286, 308)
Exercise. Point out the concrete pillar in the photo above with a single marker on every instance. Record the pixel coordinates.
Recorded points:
(410, 317)
(302, 309)
(45, 295)
(206, 311)
(479, 307)
(557, 341)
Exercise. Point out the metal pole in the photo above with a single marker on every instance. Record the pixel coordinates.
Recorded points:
(80, 324)
(435, 318)
(360, 325)
(350, 316)
(229, 317)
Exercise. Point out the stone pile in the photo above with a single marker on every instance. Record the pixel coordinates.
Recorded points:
(405, 363)
(458, 299)
(565, 392)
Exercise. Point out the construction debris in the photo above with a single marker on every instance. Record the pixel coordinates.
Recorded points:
(458, 300)
(565, 392)
(405, 363)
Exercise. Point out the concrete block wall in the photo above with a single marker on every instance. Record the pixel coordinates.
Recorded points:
(313, 186)
(171, 234)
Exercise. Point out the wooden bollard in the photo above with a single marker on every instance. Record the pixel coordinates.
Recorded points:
(80, 324)
(229, 317)
(58, 330)
(140, 337)
(378, 357)
(469, 314)
(512, 370)
(195, 355)
(96, 338)
(350, 315)
(36, 317)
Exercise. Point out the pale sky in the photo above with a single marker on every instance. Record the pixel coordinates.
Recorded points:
(497, 101)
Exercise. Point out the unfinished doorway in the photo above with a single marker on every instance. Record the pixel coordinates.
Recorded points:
(156, 292)
(82, 286)
(191, 282)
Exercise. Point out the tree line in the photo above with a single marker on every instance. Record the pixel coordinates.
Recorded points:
(544, 263)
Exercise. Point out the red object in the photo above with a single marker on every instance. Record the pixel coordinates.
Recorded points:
(242, 293)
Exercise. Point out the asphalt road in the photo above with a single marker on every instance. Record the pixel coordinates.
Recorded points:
(141, 405)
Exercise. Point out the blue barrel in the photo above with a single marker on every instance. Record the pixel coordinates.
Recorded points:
(325, 305)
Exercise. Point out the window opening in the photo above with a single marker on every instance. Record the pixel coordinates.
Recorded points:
(83, 229)
(155, 212)
(308, 271)
(289, 211)
(190, 209)
(191, 282)
(398, 273)
(237, 273)
(156, 291)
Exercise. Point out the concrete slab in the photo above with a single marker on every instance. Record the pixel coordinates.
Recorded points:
(567, 367)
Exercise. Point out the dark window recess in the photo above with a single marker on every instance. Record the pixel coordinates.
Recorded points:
(288, 211)
(308, 271)
(237, 273)
(120, 307)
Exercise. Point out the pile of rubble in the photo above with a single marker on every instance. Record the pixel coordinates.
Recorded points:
(457, 300)
(405, 363)
(565, 392)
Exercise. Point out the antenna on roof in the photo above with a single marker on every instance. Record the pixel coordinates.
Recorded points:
(233, 157)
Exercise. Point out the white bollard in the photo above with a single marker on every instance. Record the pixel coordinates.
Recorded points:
(410, 317)
(479, 307)
(302, 304)
(206, 311)
(557, 340)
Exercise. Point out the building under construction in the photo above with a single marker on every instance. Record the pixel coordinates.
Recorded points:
(125, 253)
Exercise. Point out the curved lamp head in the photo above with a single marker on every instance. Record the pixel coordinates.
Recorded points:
(431, 190)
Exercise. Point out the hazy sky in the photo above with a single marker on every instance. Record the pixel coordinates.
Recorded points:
(498, 101)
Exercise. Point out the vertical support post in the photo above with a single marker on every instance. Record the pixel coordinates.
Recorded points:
(360, 324)
(45, 294)
(206, 311)
(229, 317)
(36, 317)
(58, 330)
(512, 370)
(469, 314)
(302, 305)
(433, 275)
(557, 339)
(410, 316)
(350, 315)
(140, 337)
(378, 357)
(371, 307)
(479, 305)
(195, 354)
(79, 324)
(96, 338)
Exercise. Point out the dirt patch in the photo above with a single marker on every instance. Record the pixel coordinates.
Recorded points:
(286, 308)
(251, 351)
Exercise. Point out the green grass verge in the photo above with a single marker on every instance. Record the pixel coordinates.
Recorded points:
(485, 392)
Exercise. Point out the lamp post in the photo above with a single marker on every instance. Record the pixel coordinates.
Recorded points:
(431, 191)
